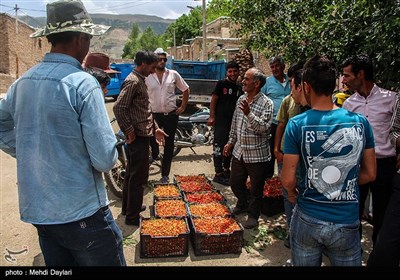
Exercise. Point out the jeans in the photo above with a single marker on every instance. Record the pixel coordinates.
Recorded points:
(92, 241)
(310, 237)
(386, 251)
(286, 203)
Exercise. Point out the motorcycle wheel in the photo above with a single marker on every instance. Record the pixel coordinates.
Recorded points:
(178, 136)
(115, 177)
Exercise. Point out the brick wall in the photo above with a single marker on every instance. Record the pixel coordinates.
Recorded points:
(19, 52)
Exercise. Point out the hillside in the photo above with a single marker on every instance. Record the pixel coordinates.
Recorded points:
(114, 40)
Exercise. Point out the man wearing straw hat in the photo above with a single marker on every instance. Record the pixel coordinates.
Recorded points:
(54, 122)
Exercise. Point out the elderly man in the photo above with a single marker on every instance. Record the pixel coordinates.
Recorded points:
(248, 143)
(54, 121)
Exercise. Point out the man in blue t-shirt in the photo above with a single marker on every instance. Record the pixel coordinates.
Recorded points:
(277, 87)
(335, 150)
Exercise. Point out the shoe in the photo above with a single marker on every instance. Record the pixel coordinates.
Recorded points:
(227, 174)
(250, 223)
(286, 242)
(220, 179)
(288, 263)
(134, 222)
(123, 213)
(164, 180)
(238, 211)
(153, 159)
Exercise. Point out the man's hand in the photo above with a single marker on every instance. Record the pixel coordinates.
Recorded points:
(292, 196)
(211, 121)
(244, 106)
(130, 138)
(227, 150)
(180, 110)
(278, 156)
(160, 136)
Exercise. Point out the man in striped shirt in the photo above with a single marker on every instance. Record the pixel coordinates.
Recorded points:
(133, 113)
(248, 143)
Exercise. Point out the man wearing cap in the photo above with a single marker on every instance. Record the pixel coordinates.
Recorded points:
(161, 88)
(54, 121)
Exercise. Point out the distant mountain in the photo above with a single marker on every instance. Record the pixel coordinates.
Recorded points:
(113, 41)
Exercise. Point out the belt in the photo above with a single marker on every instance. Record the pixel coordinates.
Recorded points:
(386, 160)
(172, 113)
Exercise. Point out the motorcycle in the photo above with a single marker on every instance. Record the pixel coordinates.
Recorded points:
(193, 131)
(115, 177)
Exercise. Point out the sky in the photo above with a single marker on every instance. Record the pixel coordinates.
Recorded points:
(170, 9)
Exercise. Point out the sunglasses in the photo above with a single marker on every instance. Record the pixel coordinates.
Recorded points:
(163, 59)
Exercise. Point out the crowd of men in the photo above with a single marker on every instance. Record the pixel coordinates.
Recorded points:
(329, 157)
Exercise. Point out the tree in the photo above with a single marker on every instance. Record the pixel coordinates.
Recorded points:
(185, 27)
(189, 26)
(141, 41)
(298, 29)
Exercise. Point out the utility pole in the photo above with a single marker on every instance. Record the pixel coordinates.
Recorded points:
(16, 18)
(204, 47)
(174, 45)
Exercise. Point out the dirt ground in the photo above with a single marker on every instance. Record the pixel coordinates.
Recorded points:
(19, 242)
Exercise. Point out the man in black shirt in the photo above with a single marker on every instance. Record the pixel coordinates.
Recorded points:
(223, 104)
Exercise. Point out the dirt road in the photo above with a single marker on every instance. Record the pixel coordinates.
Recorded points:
(19, 242)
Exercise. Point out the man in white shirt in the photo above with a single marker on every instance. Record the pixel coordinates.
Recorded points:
(161, 88)
(377, 105)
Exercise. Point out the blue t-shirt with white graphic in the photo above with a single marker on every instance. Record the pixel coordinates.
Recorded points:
(330, 145)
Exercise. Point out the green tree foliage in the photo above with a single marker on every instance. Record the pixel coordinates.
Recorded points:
(299, 29)
(189, 26)
(141, 41)
(218, 8)
(185, 27)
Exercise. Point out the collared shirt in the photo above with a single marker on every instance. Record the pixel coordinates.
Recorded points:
(132, 108)
(162, 95)
(395, 125)
(288, 109)
(54, 121)
(250, 133)
(276, 91)
(378, 108)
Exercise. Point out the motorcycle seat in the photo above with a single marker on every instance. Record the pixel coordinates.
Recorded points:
(182, 118)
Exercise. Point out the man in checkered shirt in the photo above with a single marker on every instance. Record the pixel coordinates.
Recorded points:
(248, 143)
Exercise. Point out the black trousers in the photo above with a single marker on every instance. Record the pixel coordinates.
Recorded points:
(381, 190)
(386, 251)
(221, 137)
(258, 174)
(136, 177)
(168, 123)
